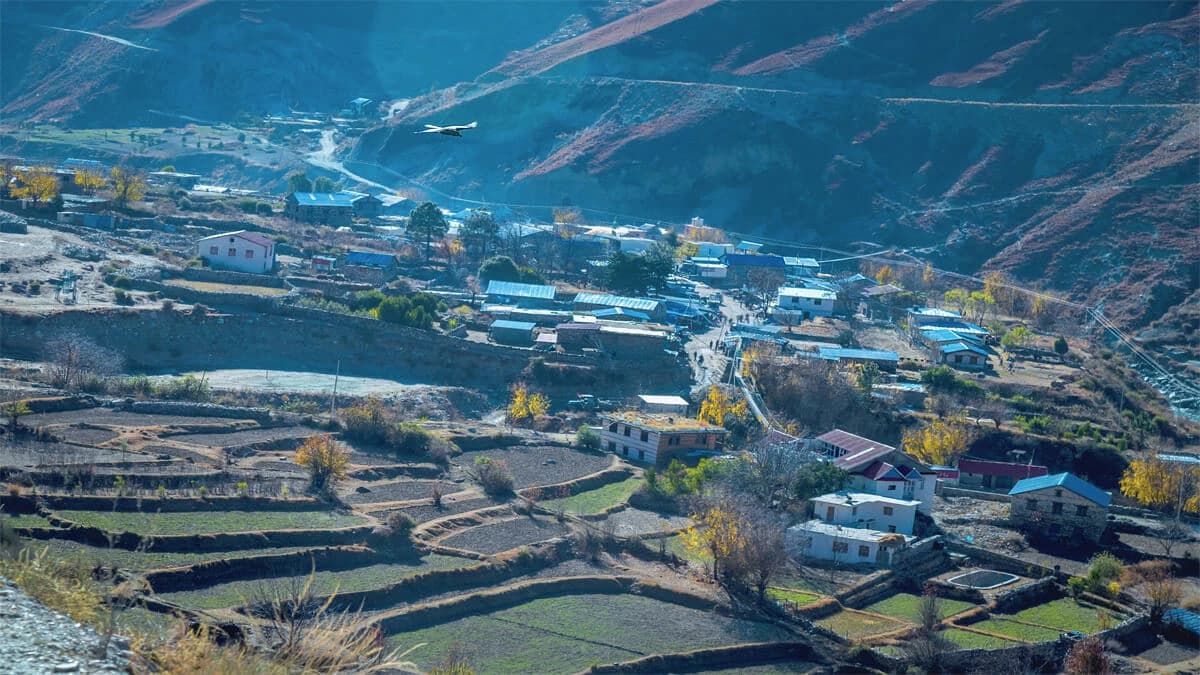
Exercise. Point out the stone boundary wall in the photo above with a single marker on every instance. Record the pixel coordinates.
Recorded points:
(865, 585)
(612, 474)
(235, 278)
(209, 504)
(61, 403)
(1010, 602)
(947, 491)
(296, 563)
(738, 656)
(998, 561)
(257, 303)
(190, 409)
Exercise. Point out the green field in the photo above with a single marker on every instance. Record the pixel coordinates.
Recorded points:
(595, 501)
(968, 640)
(26, 520)
(140, 560)
(366, 578)
(793, 596)
(854, 625)
(907, 606)
(1018, 631)
(675, 545)
(568, 634)
(1066, 614)
(209, 522)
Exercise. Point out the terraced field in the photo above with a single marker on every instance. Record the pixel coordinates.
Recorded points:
(595, 501)
(142, 560)
(1018, 631)
(209, 522)
(542, 465)
(968, 640)
(497, 537)
(366, 578)
(568, 634)
(907, 607)
(855, 625)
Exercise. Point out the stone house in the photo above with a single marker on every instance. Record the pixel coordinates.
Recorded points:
(1062, 506)
(320, 208)
(657, 439)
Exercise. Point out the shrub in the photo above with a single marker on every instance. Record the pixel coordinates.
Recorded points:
(409, 438)
(168, 305)
(493, 476)
(147, 249)
(264, 209)
(401, 524)
(14, 490)
(436, 496)
(122, 298)
(121, 281)
(1102, 569)
(186, 388)
(63, 586)
(587, 438)
(325, 460)
(1087, 657)
(368, 422)
(35, 287)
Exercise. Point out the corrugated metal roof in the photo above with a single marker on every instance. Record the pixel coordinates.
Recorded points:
(934, 311)
(640, 304)
(620, 311)
(1180, 459)
(1065, 480)
(1187, 620)
(370, 259)
(505, 324)
(865, 354)
(955, 347)
(810, 293)
(957, 326)
(252, 237)
(331, 199)
(748, 246)
(941, 335)
(800, 262)
(512, 289)
(747, 260)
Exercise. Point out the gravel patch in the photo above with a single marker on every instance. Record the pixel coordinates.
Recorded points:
(397, 491)
(636, 522)
(543, 465)
(109, 416)
(85, 436)
(236, 438)
(178, 453)
(497, 537)
(31, 453)
(35, 639)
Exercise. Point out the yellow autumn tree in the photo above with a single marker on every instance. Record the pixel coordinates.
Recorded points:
(885, 275)
(128, 186)
(718, 405)
(995, 286)
(526, 405)
(716, 534)
(1038, 307)
(1163, 485)
(687, 250)
(38, 184)
(89, 181)
(941, 442)
(928, 274)
(325, 460)
(567, 215)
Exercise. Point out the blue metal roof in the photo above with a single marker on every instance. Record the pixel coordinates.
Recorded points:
(1180, 459)
(1066, 480)
(747, 260)
(934, 311)
(957, 326)
(323, 199)
(955, 347)
(370, 259)
(639, 304)
(865, 354)
(748, 246)
(800, 262)
(620, 311)
(1187, 620)
(940, 334)
(514, 325)
(512, 289)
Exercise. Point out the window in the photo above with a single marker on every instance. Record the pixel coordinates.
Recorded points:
(1081, 510)
(625, 450)
(891, 528)
(613, 427)
(673, 440)
(612, 446)
(817, 301)
(1058, 493)
(231, 240)
(863, 550)
(829, 513)
(854, 511)
(249, 253)
(233, 253)
(891, 488)
(645, 436)
(840, 547)
(628, 431)
(887, 510)
(1031, 504)
(1056, 507)
(641, 455)
(974, 360)
(958, 358)
(702, 439)
(214, 250)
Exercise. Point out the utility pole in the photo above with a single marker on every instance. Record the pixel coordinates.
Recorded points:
(333, 398)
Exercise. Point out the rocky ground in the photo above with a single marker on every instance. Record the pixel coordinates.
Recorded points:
(35, 639)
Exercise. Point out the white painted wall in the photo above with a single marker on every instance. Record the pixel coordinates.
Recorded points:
(230, 253)
(871, 514)
(820, 546)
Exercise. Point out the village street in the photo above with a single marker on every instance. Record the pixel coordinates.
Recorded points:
(704, 351)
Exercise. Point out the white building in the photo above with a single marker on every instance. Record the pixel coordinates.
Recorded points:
(847, 545)
(866, 511)
(803, 303)
(878, 468)
(240, 251)
(676, 405)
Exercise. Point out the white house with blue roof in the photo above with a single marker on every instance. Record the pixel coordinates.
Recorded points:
(1061, 507)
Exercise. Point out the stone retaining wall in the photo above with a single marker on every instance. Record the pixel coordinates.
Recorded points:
(734, 656)
(296, 563)
(231, 277)
(190, 409)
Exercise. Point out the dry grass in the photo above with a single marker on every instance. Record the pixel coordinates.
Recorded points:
(60, 585)
(213, 287)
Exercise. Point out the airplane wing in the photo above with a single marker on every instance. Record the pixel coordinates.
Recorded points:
(430, 130)
(460, 127)
(432, 126)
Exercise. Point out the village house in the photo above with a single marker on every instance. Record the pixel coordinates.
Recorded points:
(1063, 507)
(795, 304)
(588, 302)
(335, 209)
(521, 295)
(698, 231)
(657, 439)
(363, 205)
(877, 301)
(186, 181)
(985, 473)
(240, 251)
(879, 469)
(371, 267)
(921, 316)
(739, 265)
(867, 511)
(801, 268)
(817, 540)
(516, 333)
(962, 355)
(575, 336)
(669, 405)
(844, 355)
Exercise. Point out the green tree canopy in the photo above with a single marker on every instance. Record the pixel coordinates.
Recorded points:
(479, 232)
(426, 223)
(324, 184)
(1060, 346)
(299, 182)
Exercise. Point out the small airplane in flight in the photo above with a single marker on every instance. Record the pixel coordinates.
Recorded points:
(448, 130)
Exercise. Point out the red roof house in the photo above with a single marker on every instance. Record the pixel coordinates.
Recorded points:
(987, 473)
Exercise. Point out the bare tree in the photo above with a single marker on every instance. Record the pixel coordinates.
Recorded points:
(765, 281)
(763, 553)
(994, 409)
(72, 358)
